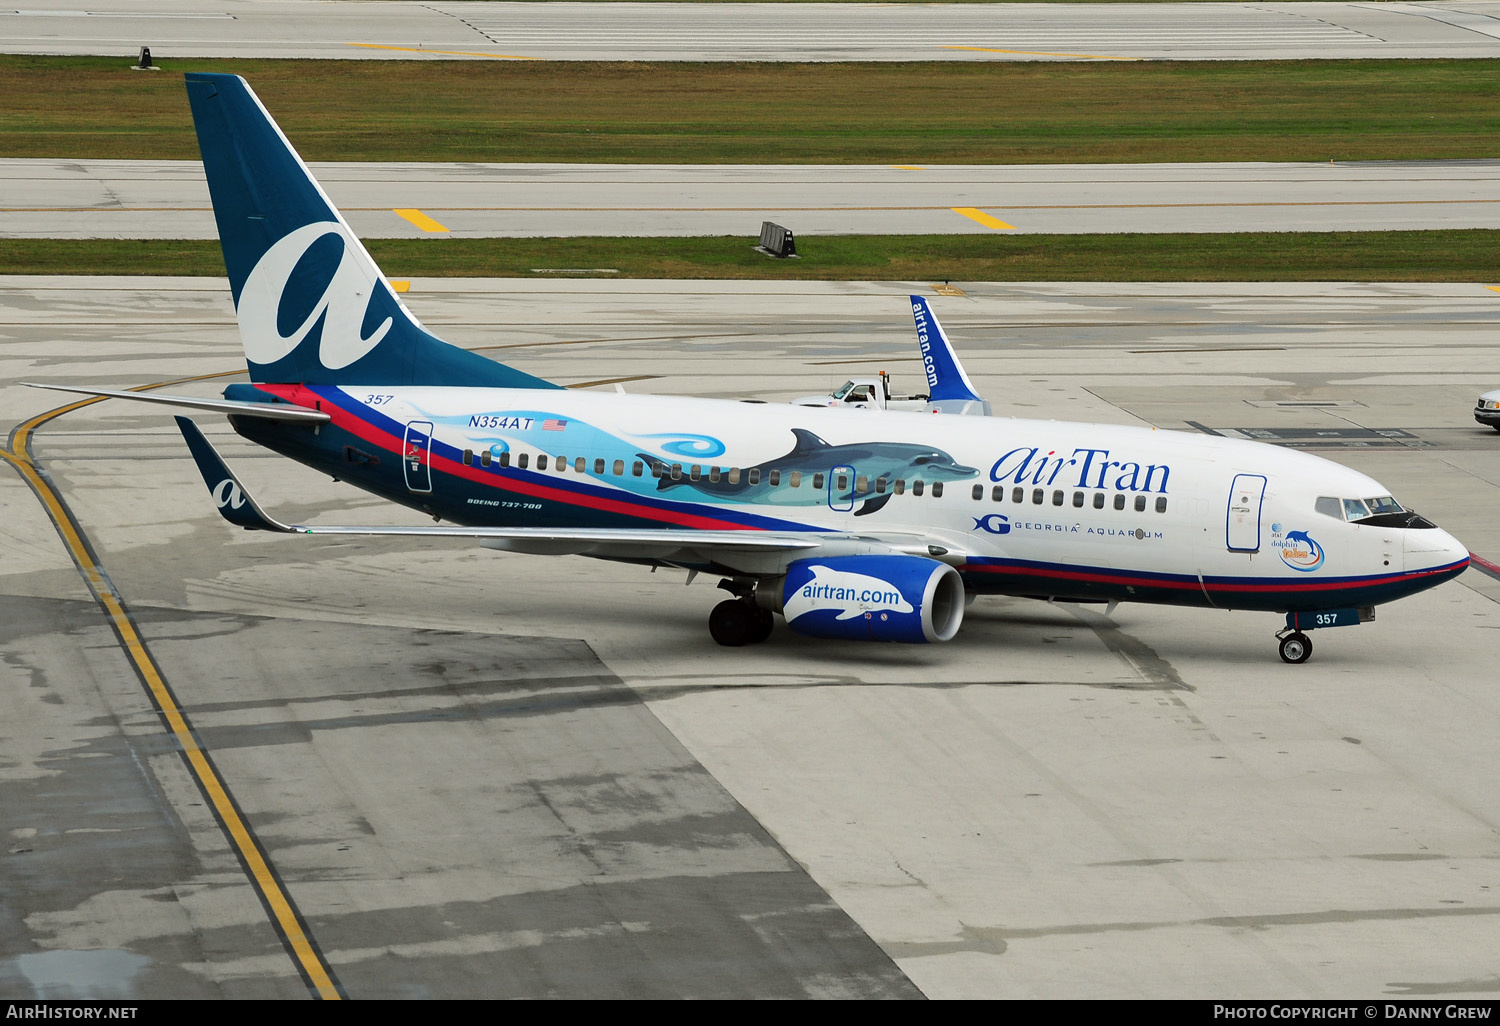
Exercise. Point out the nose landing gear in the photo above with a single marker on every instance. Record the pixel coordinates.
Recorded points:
(1295, 646)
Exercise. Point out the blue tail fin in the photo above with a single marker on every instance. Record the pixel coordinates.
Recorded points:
(313, 307)
(945, 375)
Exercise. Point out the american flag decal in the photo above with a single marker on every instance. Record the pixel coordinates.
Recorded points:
(554, 425)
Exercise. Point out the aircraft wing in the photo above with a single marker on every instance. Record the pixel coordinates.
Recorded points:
(269, 411)
(668, 545)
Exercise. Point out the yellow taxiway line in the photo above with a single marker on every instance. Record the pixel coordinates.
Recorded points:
(1044, 53)
(284, 914)
(419, 219)
(449, 53)
(975, 214)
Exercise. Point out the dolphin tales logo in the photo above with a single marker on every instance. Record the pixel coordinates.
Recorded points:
(281, 293)
(1299, 551)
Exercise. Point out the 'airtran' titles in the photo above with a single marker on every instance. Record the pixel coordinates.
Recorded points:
(1083, 468)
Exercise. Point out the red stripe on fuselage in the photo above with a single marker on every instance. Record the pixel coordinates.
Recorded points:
(355, 425)
(1290, 584)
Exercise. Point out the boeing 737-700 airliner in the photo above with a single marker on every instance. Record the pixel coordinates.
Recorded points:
(873, 525)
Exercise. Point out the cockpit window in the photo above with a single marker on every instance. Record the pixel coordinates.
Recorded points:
(1380, 511)
(1355, 510)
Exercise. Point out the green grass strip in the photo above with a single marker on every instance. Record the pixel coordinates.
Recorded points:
(920, 113)
(1466, 255)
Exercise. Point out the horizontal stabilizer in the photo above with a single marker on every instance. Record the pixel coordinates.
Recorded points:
(267, 411)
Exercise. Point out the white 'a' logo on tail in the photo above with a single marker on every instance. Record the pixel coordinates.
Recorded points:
(342, 304)
(227, 493)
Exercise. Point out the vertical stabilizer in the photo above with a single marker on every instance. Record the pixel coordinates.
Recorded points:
(946, 381)
(313, 307)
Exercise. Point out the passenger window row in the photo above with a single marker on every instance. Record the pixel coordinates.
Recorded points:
(697, 472)
(795, 478)
(1059, 497)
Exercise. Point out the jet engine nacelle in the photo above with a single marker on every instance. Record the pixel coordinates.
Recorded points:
(873, 598)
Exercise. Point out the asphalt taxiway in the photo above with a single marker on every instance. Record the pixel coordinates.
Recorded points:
(477, 774)
(163, 199)
(758, 32)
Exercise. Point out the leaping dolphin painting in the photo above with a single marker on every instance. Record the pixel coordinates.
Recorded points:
(879, 463)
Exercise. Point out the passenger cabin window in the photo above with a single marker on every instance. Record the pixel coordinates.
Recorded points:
(1119, 501)
(637, 468)
(485, 458)
(978, 491)
(916, 487)
(937, 489)
(1161, 504)
(1140, 504)
(817, 482)
(1098, 500)
(522, 459)
(468, 457)
(900, 487)
(1019, 495)
(541, 463)
(1078, 499)
(754, 475)
(1038, 496)
(1057, 497)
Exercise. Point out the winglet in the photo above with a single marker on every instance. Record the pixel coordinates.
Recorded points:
(945, 375)
(235, 504)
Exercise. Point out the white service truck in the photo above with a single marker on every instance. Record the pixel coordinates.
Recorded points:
(867, 394)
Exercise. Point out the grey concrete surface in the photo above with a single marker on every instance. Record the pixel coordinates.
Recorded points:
(169, 199)
(778, 32)
(482, 773)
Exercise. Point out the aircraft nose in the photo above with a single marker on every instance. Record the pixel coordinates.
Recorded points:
(1434, 548)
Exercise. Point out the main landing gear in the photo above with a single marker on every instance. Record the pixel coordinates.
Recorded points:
(739, 621)
(1295, 646)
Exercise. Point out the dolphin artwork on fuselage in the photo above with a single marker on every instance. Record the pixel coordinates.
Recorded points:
(779, 481)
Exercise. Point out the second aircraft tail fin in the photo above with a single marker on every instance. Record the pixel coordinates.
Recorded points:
(948, 385)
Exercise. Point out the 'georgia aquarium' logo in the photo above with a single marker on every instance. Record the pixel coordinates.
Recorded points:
(994, 523)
